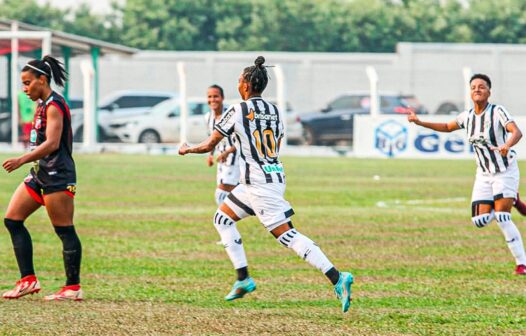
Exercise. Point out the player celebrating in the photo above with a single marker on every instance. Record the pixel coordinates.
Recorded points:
(227, 158)
(492, 132)
(258, 128)
(51, 181)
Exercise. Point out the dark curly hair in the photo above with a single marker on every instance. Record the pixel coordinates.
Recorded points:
(256, 75)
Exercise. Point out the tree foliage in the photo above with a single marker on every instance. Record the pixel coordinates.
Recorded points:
(284, 25)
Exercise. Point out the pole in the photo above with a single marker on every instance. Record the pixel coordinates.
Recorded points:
(14, 87)
(280, 97)
(373, 89)
(467, 73)
(182, 101)
(89, 133)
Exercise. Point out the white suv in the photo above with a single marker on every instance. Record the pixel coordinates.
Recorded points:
(118, 105)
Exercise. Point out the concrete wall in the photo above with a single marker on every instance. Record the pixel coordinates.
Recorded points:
(433, 72)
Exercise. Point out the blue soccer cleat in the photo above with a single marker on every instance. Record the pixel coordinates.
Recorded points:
(343, 290)
(241, 288)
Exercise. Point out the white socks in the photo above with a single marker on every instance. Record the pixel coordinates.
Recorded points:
(306, 249)
(231, 239)
(512, 235)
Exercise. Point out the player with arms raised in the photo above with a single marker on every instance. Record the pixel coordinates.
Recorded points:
(492, 133)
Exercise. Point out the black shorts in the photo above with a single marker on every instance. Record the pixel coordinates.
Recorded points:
(37, 190)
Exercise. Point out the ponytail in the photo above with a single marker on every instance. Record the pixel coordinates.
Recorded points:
(49, 67)
(257, 75)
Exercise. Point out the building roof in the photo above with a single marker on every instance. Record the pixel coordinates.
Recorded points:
(78, 44)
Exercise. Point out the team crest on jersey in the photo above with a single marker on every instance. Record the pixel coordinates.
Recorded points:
(38, 123)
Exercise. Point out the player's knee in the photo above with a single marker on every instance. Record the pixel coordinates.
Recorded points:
(502, 217)
(220, 196)
(482, 220)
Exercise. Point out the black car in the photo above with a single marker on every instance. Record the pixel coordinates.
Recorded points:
(334, 123)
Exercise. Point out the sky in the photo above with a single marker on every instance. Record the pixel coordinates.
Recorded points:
(98, 6)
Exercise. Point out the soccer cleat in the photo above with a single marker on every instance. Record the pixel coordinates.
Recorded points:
(241, 288)
(520, 206)
(27, 285)
(72, 293)
(343, 290)
(520, 270)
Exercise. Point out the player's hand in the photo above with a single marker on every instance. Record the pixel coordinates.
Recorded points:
(12, 164)
(221, 157)
(503, 150)
(210, 160)
(183, 149)
(411, 115)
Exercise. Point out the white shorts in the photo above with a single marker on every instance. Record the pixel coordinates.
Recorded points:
(491, 187)
(265, 201)
(227, 174)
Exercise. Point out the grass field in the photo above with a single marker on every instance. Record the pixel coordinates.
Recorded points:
(151, 265)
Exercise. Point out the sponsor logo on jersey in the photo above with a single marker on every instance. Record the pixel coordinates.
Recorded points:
(261, 116)
(270, 168)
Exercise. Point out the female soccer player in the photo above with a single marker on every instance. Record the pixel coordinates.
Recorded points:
(492, 132)
(227, 158)
(51, 181)
(258, 128)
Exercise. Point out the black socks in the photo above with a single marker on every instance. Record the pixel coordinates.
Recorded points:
(72, 252)
(22, 245)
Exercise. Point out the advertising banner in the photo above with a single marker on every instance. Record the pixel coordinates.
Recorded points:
(392, 136)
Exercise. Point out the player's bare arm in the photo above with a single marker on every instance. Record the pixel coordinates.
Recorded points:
(439, 127)
(204, 147)
(52, 143)
(516, 135)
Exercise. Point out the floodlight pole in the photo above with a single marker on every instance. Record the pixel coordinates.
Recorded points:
(280, 97)
(467, 73)
(373, 89)
(183, 121)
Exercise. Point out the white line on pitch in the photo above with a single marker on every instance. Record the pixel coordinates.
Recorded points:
(384, 204)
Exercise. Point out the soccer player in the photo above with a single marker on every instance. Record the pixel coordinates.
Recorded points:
(227, 158)
(492, 132)
(51, 181)
(258, 128)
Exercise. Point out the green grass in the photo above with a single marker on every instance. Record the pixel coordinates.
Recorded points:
(151, 265)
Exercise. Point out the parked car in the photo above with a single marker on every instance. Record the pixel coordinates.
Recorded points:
(334, 123)
(162, 123)
(5, 120)
(119, 105)
(448, 107)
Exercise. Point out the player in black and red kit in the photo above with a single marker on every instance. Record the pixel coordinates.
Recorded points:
(51, 181)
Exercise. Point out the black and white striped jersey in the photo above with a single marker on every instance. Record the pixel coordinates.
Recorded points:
(228, 141)
(258, 128)
(486, 131)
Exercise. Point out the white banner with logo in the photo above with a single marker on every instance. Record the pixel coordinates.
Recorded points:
(392, 136)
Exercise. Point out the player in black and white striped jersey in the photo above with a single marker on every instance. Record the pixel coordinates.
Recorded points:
(258, 128)
(227, 159)
(492, 132)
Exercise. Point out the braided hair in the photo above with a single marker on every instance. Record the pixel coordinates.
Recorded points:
(49, 67)
(256, 75)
